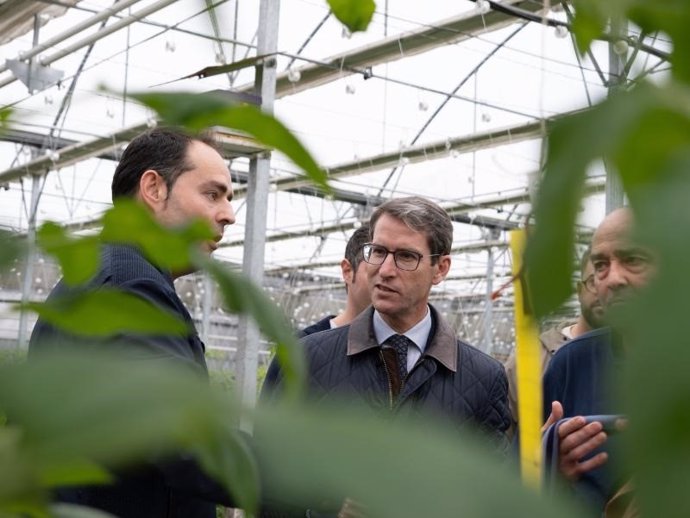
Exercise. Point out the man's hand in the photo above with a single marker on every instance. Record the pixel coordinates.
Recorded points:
(351, 509)
(577, 439)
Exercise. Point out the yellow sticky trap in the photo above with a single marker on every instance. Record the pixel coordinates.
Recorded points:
(528, 369)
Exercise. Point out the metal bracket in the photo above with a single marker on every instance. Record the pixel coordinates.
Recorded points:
(35, 76)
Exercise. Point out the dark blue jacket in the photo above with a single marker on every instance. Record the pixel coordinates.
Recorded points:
(177, 488)
(451, 378)
(583, 375)
(322, 325)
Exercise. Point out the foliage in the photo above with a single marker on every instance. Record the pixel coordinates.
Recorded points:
(170, 248)
(322, 454)
(668, 16)
(5, 115)
(200, 111)
(107, 312)
(130, 411)
(644, 135)
(118, 412)
(354, 14)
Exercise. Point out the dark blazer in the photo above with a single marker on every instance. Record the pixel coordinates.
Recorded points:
(451, 378)
(322, 325)
(175, 488)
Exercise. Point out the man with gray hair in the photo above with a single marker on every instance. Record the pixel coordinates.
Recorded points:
(400, 354)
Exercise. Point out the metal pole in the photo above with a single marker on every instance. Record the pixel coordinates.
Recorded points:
(73, 31)
(488, 305)
(257, 209)
(28, 277)
(206, 304)
(617, 58)
(105, 31)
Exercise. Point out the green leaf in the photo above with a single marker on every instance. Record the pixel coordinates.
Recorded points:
(5, 118)
(129, 222)
(108, 312)
(573, 144)
(589, 23)
(79, 258)
(671, 17)
(18, 477)
(76, 511)
(74, 473)
(242, 296)
(201, 111)
(397, 467)
(116, 413)
(657, 387)
(354, 14)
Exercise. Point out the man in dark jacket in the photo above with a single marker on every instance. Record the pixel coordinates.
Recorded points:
(352, 267)
(400, 354)
(177, 177)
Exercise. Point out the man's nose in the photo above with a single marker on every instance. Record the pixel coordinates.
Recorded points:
(226, 216)
(388, 267)
(617, 275)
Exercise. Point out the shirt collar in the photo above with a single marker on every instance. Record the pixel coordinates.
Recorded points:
(419, 333)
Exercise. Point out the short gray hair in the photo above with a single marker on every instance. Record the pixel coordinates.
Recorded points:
(421, 215)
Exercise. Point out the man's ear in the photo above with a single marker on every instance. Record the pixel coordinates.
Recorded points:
(152, 190)
(346, 269)
(443, 269)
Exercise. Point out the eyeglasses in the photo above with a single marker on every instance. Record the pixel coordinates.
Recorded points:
(588, 283)
(404, 259)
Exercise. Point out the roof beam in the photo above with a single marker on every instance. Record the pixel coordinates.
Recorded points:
(420, 153)
(232, 143)
(358, 61)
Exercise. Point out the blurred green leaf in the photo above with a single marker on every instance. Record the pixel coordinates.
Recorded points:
(76, 511)
(115, 413)
(74, 473)
(354, 14)
(11, 248)
(589, 23)
(129, 222)
(671, 17)
(573, 144)
(107, 312)
(5, 116)
(242, 296)
(326, 453)
(201, 111)
(657, 388)
(79, 258)
(19, 487)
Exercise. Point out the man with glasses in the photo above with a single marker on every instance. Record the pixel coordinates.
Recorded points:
(400, 355)
(582, 376)
(591, 314)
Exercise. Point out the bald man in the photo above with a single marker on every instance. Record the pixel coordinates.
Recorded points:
(581, 376)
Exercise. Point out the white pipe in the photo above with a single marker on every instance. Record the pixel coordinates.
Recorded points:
(124, 22)
(72, 31)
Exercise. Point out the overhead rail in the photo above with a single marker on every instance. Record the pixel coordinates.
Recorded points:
(358, 61)
(423, 152)
(88, 40)
(73, 31)
(232, 144)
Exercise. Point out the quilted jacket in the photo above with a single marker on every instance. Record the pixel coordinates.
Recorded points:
(451, 378)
